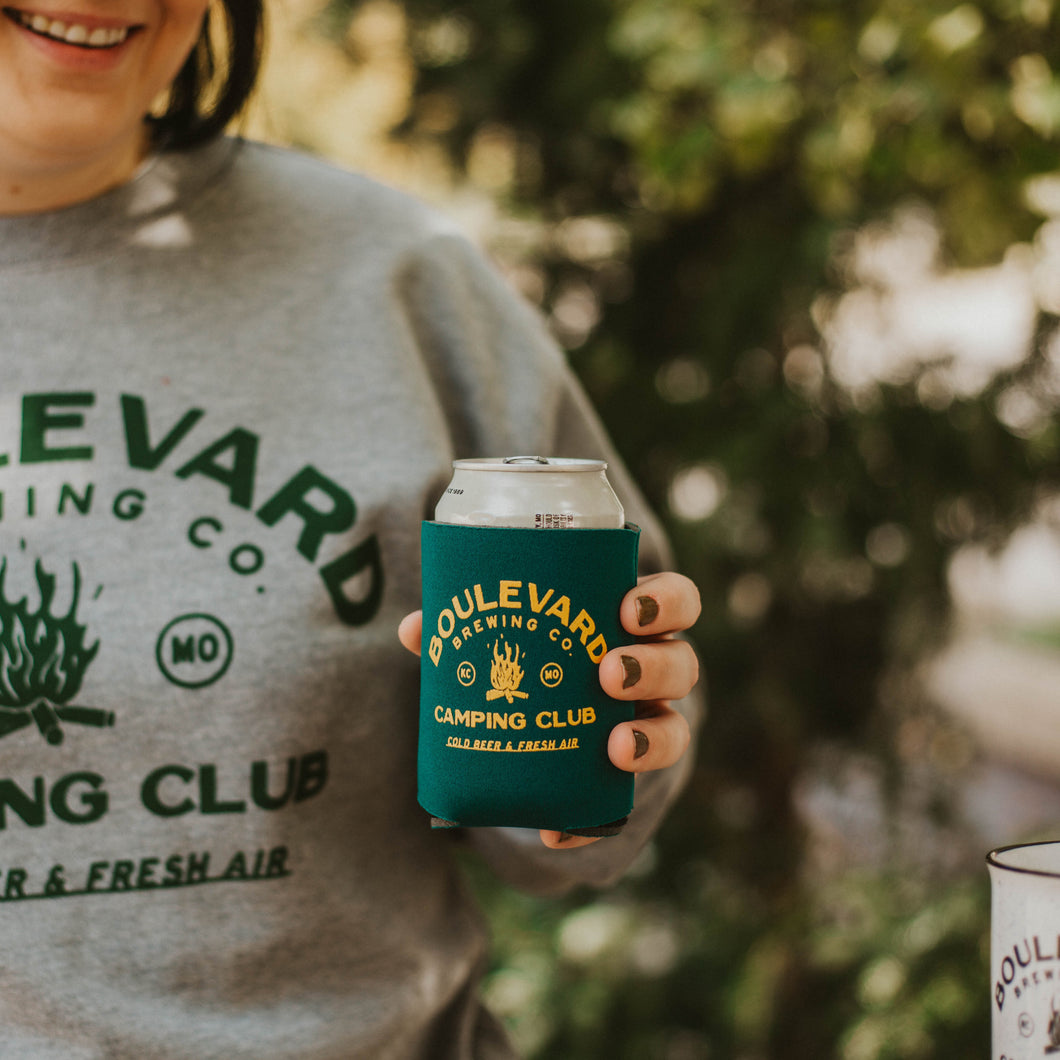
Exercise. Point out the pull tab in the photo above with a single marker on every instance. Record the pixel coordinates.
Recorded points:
(526, 460)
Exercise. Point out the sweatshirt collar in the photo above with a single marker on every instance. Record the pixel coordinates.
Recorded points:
(166, 184)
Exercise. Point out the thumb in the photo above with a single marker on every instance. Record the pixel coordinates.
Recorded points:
(409, 631)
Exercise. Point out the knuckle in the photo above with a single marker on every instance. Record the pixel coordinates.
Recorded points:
(691, 666)
(697, 608)
(671, 739)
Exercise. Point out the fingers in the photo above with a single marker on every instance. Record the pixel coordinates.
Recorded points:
(660, 604)
(662, 669)
(410, 630)
(655, 739)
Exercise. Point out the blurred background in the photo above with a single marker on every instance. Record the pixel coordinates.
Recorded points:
(806, 259)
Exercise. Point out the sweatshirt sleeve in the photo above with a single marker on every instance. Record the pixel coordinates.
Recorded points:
(506, 388)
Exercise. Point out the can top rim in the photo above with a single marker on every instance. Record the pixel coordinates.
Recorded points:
(535, 464)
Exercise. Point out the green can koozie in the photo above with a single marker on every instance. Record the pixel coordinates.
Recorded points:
(513, 722)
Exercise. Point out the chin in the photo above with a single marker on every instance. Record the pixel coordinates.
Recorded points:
(80, 134)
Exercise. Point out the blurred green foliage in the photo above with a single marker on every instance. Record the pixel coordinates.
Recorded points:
(698, 169)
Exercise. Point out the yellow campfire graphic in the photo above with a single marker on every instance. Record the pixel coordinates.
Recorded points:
(43, 658)
(505, 674)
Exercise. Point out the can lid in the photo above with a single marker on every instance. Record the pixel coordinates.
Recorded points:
(529, 463)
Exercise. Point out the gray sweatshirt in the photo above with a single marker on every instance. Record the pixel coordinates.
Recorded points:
(229, 392)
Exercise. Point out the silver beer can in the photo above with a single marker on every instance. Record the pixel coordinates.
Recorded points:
(545, 493)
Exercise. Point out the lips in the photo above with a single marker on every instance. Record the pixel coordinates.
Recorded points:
(70, 31)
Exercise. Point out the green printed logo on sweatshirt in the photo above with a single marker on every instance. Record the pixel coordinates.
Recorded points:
(43, 659)
(67, 427)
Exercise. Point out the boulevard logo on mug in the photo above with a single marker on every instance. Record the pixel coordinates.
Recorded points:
(1025, 950)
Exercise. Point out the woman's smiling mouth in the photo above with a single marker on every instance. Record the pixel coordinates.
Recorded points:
(70, 31)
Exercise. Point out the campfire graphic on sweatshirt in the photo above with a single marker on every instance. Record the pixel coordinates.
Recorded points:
(43, 659)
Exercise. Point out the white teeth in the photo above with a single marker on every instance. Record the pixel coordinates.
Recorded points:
(75, 33)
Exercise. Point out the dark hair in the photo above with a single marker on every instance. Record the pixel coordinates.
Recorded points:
(211, 88)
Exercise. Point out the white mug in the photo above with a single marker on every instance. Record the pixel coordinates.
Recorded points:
(1025, 951)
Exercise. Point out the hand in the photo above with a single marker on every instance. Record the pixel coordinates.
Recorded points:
(653, 671)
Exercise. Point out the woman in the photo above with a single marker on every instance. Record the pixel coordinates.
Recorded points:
(234, 380)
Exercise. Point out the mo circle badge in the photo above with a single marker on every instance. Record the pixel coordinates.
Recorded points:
(194, 650)
(513, 722)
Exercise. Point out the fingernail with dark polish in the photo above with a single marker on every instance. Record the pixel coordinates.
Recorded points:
(641, 742)
(647, 610)
(631, 668)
